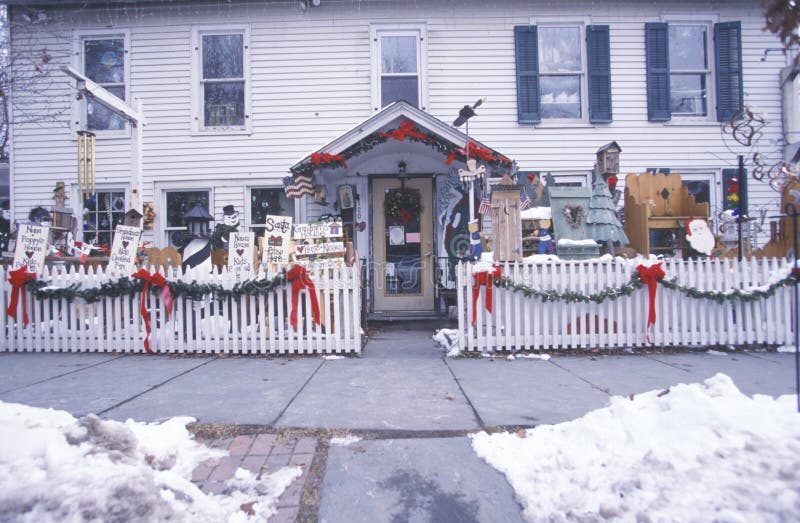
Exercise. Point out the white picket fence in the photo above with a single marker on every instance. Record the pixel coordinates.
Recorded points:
(528, 323)
(241, 325)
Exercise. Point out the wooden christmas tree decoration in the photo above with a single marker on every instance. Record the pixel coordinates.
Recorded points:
(602, 224)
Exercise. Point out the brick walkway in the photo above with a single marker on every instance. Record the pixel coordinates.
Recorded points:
(260, 453)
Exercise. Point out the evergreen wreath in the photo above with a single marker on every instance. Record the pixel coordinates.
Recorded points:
(574, 215)
(400, 202)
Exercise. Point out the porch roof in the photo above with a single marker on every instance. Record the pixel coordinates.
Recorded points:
(415, 125)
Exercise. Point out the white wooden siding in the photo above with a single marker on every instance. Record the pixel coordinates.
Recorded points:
(311, 82)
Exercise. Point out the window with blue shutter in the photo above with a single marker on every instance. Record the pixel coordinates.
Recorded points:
(657, 59)
(728, 64)
(527, 57)
(598, 58)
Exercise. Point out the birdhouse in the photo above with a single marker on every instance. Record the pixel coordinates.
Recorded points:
(132, 218)
(608, 159)
(197, 219)
(507, 222)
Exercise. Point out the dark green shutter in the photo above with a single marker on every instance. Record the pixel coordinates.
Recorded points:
(728, 67)
(657, 58)
(526, 47)
(598, 57)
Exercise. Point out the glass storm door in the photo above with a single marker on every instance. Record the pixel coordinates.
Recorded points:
(402, 238)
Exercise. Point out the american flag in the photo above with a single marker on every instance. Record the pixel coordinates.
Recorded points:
(485, 207)
(298, 187)
(524, 200)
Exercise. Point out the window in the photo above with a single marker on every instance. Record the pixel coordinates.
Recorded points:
(399, 64)
(558, 78)
(222, 68)
(103, 211)
(680, 79)
(264, 201)
(104, 62)
(178, 203)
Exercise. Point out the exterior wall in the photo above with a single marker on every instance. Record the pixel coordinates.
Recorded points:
(311, 81)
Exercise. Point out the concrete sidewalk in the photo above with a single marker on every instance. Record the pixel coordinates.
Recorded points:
(412, 408)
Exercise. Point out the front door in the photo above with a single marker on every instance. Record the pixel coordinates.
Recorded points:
(402, 235)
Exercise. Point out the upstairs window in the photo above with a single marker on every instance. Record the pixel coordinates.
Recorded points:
(560, 71)
(222, 70)
(399, 63)
(689, 72)
(104, 63)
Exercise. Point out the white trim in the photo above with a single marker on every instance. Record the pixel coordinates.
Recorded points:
(248, 194)
(75, 202)
(418, 30)
(79, 121)
(714, 178)
(197, 116)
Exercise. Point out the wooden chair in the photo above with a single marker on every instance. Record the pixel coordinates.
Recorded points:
(166, 257)
(657, 201)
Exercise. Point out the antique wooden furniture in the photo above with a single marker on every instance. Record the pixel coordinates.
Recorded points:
(657, 202)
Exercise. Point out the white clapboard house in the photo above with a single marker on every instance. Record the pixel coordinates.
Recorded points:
(358, 97)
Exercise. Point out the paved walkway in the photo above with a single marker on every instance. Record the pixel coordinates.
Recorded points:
(412, 409)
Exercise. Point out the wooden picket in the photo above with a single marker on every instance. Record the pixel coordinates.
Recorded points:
(518, 322)
(241, 325)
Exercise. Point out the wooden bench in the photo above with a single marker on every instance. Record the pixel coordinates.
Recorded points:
(657, 201)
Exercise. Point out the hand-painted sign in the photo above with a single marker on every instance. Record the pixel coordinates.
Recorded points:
(122, 258)
(318, 231)
(277, 237)
(31, 247)
(240, 254)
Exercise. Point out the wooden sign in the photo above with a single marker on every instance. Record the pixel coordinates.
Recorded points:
(240, 255)
(318, 242)
(277, 237)
(122, 259)
(31, 247)
(318, 231)
(312, 249)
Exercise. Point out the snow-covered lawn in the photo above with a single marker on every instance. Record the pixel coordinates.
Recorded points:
(695, 453)
(54, 467)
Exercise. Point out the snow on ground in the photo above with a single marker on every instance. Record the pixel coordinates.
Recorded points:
(700, 452)
(344, 441)
(54, 467)
(786, 348)
(448, 340)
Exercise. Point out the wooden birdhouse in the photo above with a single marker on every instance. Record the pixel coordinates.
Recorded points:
(507, 223)
(608, 159)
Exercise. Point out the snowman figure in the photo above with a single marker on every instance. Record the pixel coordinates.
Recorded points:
(700, 237)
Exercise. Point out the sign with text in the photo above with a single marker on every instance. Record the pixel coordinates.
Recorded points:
(318, 231)
(311, 249)
(277, 237)
(122, 259)
(31, 247)
(240, 254)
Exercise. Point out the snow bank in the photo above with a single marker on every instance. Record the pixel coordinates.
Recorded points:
(54, 467)
(701, 452)
(448, 340)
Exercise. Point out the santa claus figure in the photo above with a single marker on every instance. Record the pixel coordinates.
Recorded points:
(699, 236)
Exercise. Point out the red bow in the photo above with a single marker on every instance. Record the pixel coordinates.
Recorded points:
(406, 129)
(650, 276)
(18, 279)
(484, 278)
(300, 279)
(612, 183)
(157, 280)
(317, 158)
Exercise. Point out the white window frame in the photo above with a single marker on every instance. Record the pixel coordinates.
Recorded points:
(714, 179)
(79, 108)
(707, 20)
(162, 240)
(76, 203)
(583, 73)
(248, 211)
(419, 31)
(198, 107)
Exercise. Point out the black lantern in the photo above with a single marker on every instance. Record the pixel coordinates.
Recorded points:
(197, 219)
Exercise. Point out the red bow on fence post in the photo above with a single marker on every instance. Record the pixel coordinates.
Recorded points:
(484, 278)
(157, 280)
(300, 279)
(18, 278)
(317, 158)
(650, 276)
(406, 129)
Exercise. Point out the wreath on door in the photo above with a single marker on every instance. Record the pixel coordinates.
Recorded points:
(401, 206)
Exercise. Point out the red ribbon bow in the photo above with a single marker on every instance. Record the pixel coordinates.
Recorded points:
(317, 158)
(157, 280)
(476, 151)
(484, 278)
(300, 279)
(406, 129)
(650, 276)
(18, 278)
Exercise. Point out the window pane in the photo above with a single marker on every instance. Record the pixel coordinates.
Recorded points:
(105, 210)
(394, 88)
(399, 54)
(178, 203)
(687, 47)
(224, 104)
(688, 94)
(222, 56)
(700, 189)
(559, 49)
(100, 118)
(268, 201)
(104, 60)
(561, 96)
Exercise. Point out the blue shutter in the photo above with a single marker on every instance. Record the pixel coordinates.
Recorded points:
(598, 57)
(526, 47)
(657, 58)
(728, 66)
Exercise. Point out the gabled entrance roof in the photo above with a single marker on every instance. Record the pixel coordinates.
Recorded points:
(415, 124)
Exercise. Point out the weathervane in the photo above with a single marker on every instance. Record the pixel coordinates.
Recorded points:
(473, 171)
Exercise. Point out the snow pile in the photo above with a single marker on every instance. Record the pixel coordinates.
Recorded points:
(448, 340)
(344, 441)
(54, 467)
(701, 452)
